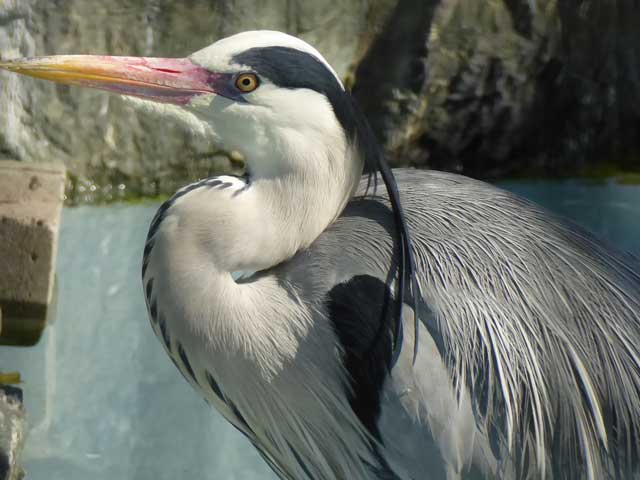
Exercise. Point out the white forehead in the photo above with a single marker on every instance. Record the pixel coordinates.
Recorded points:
(218, 56)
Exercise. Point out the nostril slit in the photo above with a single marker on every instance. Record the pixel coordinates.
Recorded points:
(166, 70)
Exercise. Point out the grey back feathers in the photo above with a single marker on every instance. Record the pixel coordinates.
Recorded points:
(537, 321)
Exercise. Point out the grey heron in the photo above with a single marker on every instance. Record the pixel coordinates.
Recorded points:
(278, 294)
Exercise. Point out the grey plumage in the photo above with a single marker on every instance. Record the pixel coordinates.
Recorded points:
(531, 331)
(534, 317)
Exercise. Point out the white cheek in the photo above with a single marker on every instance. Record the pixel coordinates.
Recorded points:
(302, 109)
(238, 126)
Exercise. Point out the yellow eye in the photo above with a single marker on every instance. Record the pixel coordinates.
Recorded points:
(247, 82)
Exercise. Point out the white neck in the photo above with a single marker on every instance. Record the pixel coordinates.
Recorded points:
(259, 225)
(216, 229)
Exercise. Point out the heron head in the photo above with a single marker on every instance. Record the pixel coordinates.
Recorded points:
(266, 94)
(277, 99)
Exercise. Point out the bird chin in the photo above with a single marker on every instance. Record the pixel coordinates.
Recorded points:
(191, 121)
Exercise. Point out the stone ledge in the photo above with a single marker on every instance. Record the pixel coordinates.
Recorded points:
(31, 198)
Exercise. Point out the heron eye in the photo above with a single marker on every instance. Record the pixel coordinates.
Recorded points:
(247, 82)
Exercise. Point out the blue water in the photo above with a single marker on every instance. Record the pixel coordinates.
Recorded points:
(104, 400)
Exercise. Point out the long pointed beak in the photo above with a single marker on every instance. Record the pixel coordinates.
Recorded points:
(169, 80)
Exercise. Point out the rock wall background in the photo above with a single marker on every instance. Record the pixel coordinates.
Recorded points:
(488, 88)
(494, 88)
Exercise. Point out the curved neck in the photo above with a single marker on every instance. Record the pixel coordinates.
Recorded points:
(224, 225)
(253, 226)
(291, 201)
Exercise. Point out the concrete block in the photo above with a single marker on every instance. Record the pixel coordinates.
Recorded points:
(12, 427)
(31, 197)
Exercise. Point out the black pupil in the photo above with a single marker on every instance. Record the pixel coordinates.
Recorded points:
(246, 82)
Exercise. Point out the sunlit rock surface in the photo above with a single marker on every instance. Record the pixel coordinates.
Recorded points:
(487, 88)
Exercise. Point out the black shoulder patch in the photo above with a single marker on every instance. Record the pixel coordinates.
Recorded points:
(361, 312)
